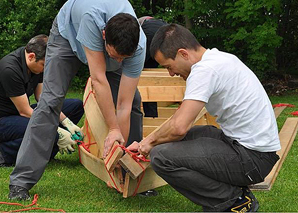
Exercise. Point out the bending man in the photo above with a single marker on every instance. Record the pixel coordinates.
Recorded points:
(106, 37)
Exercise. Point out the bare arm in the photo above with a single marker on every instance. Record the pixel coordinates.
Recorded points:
(97, 67)
(38, 91)
(126, 94)
(22, 105)
(176, 128)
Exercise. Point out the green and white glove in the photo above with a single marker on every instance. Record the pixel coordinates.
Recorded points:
(75, 131)
(65, 141)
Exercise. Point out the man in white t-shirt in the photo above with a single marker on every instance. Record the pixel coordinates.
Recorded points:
(212, 167)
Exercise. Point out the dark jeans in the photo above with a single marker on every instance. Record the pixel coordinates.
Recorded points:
(136, 115)
(12, 129)
(209, 168)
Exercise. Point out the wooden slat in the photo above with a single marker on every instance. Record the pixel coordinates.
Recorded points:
(149, 181)
(162, 93)
(155, 73)
(155, 70)
(97, 167)
(168, 104)
(94, 116)
(286, 135)
(113, 157)
(147, 121)
(153, 121)
(89, 139)
(211, 120)
(148, 129)
(133, 168)
(165, 112)
(154, 80)
(278, 110)
(202, 121)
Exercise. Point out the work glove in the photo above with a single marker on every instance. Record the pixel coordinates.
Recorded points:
(65, 141)
(76, 132)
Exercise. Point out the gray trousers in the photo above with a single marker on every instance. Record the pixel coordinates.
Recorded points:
(209, 168)
(61, 65)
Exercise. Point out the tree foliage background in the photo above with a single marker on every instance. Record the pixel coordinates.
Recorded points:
(263, 33)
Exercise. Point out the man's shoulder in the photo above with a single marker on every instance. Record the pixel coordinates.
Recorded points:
(11, 64)
(13, 59)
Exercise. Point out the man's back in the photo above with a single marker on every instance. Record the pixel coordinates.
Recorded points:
(233, 93)
(81, 22)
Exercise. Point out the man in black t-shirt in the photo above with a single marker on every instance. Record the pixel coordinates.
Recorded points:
(150, 25)
(21, 75)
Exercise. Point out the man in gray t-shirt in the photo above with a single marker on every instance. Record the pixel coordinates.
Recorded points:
(110, 41)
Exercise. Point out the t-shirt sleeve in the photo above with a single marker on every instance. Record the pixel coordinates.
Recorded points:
(201, 84)
(133, 66)
(12, 83)
(89, 34)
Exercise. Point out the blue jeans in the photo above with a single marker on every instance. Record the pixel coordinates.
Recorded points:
(12, 130)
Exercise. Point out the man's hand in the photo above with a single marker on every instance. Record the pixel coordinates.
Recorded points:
(75, 131)
(65, 142)
(134, 147)
(114, 135)
(144, 148)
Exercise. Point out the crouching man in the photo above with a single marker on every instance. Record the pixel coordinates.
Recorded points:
(212, 167)
(21, 75)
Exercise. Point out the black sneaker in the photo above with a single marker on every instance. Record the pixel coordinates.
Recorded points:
(246, 203)
(18, 193)
(149, 193)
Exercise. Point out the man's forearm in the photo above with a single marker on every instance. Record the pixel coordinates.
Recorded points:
(167, 133)
(105, 102)
(123, 117)
(62, 116)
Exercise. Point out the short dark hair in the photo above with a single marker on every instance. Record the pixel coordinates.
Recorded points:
(170, 38)
(37, 45)
(122, 32)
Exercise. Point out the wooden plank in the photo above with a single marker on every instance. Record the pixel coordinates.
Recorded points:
(278, 110)
(211, 120)
(97, 167)
(202, 121)
(165, 112)
(94, 116)
(168, 104)
(153, 121)
(133, 168)
(162, 93)
(148, 129)
(155, 70)
(113, 157)
(155, 80)
(89, 139)
(286, 135)
(150, 181)
(147, 121)
(155, 73)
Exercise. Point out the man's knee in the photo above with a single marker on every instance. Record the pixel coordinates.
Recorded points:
(158, 158)
(78, 103)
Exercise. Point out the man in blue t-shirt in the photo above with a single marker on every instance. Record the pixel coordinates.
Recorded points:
(105, 35)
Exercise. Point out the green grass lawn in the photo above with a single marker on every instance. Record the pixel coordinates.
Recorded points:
(67, 185)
